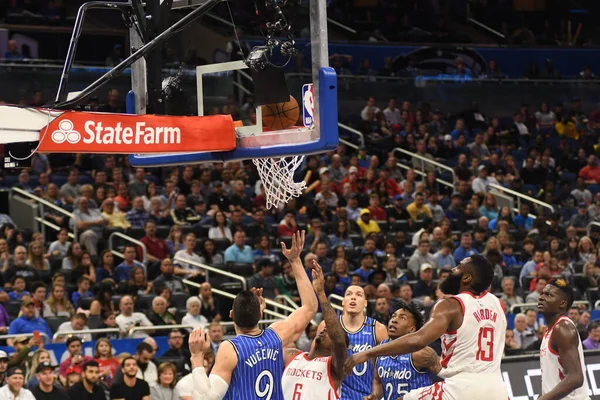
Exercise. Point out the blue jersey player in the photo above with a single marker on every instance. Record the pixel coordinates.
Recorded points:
(250, 366)
(395, 376)
(363, 333)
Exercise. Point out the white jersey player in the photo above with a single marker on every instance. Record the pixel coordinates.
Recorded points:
(318, 374)
(472, 325)
(561, 352)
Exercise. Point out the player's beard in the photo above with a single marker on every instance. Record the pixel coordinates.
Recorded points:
(451, 285)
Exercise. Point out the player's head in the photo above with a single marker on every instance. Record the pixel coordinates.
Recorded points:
(355, 301)
(473, 274)
(246, 310)
(322, 341)
(406, 319)
(556, 298)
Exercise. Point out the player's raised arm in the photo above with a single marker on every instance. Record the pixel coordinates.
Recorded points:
(215, 387)
(290, 329)
(565, 339)
(339, 339)
(446, 314)
(427, 360)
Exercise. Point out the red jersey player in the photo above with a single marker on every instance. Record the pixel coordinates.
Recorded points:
(472, 325)
(561, 353)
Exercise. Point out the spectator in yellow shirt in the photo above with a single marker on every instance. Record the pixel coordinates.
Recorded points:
(366, 224)
(567, 128)
(116, 219)
(417, 209)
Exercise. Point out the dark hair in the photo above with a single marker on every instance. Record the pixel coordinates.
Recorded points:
(483, 272)
(246, 310)
(593, 325)
(72, 339)
(36, 285)
(566, 290)
(18, 277)
(90, 364)
(131, 246)
(142, 347)
(414, 310)
(128, 358)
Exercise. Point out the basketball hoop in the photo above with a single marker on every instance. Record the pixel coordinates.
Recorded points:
(277, 176)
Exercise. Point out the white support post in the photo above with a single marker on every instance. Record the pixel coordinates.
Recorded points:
(138, 73)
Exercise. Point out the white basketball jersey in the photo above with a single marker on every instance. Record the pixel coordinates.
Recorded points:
(305, 379)
(552, 369)
(478, 345)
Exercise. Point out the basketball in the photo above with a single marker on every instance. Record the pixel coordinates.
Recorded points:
(280, 115)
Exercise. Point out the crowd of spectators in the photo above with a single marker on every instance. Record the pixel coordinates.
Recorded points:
(396, 231)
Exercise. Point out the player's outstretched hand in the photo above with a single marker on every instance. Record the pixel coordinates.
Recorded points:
(293, 253)
(259, 293)
(318, 280)
(199, 342)
(353, 361)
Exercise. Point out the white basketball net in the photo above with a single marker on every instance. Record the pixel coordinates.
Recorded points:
(277, 176)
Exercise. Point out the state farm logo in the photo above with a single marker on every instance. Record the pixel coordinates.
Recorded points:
(118, 133)
(66, 133)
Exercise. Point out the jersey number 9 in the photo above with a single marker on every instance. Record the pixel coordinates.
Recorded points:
(266, 391)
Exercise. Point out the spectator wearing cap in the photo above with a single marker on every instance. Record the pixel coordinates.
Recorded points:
(351, 178)
(366, 224)
(13, 390)
(367, 264)
(28, 322)
(397, 212)
(581, 220)
(424, 286)
(217, 200)
(89, 388)
(75, 359)
(264, 279)
(555, 229)
(481, 184)
(239, 251)
(46, 389)
(287, 226)
(417, 209)
(465, 249)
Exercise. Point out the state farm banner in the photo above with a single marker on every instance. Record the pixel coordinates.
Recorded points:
(523, 378)
(86, 132)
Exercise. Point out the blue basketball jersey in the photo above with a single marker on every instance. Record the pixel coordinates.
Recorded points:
(259, 368)
(399, 376)
(360, 383)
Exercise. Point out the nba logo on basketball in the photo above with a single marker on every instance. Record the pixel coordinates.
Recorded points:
(308, 105)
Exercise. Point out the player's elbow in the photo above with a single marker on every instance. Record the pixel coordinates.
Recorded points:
(576, 380)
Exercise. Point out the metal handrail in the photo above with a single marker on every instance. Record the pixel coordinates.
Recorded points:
(215, 270)
(425, 160)
(358, 133)
(530, 305)
(335, 297)
(45, 203)
(158, 328)
(596, 304)
(349, 144)
(589, 227)
(261, 322)
(424, 174)
(285, 298)
(520, 196)
(86, 332)
(42, 334)
(232, 296)
(129, 239)
(51, 225)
